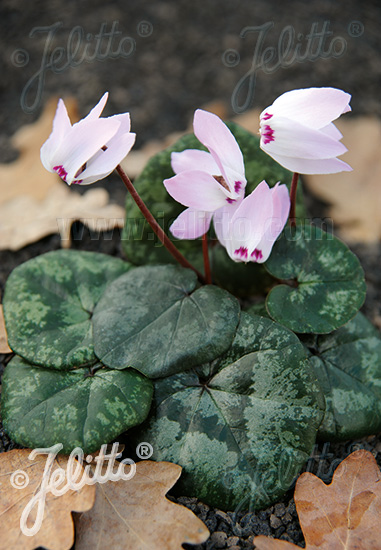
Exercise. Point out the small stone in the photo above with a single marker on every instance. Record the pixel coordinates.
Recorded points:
(224, 517)
(235, 548)
(286, 518)
(275, 522)
(218, 539)
(279, 510)
(232, 541)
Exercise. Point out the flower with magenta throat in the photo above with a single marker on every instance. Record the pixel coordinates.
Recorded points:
(250, 231)
(88, 150)
(206, 181)
(297, 130)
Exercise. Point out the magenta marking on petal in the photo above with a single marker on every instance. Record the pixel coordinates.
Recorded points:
(268, 134)
(237, 186)
(77, 181)
(241, 251)
(231, 201)
(266, 116)
(257, 254)
(61, 172)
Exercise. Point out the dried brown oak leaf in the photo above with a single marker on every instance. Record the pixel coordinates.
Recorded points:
(355, 197)
(135, 515)
(35, 203)
(4, 348)
(57, 528)
(344, 515)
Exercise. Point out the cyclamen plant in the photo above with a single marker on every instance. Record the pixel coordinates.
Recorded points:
(240, 390)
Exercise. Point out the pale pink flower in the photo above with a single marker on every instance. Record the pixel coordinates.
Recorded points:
(206, 182)
(249, 232)
(297, 130)
(90, 149)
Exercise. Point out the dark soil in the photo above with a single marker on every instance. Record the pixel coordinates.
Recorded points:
(173, 70)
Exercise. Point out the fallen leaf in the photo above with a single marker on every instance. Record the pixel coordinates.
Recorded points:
(57, 529)
(135, 515)
(355, 197)
(344, 515)
(4, 348)
(35, 203)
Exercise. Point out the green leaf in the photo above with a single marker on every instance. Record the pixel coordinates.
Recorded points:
(42, 407)
(327, 281)
(348, 366)
(154, 320)
(242, 426)
(48, 304)
(141, 245)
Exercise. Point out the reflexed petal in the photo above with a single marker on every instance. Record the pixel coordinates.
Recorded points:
(191, 224)
(311, 166)
(331, 131)
(125, 123)
(83, 142)
(216, 136)
(105, 162)
(281, 209)
(221, 221)
(250, 221)
(197, 190)
(194, 159)
(61, 126)
(292, 139)
(313, 107)
(96, 111)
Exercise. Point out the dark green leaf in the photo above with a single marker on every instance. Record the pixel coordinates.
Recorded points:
(154, 320)
(327, 281)
(348, 366)
(48, 304)
(242, 426)
(42, 407)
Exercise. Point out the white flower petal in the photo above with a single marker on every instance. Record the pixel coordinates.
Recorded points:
(311, 166)
(290, 139)
(216, 136)
(61, 126)
(197, 190)
(82, 143)
(105, 162)
(313, 107)
(194, 159)
(97, 110)
(191, 224)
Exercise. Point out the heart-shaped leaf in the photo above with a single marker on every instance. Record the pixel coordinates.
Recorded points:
(85, 407)
(48, 304)
(141, 245)
(327, 281)
(242, 426)
(154, 320)
(348, 366)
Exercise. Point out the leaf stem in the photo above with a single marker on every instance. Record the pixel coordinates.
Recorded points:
(294, 186)
(155, 226)
(205, 253)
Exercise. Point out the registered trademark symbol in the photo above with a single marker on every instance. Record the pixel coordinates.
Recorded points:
(355, 29)
(145, 28)
(144, 450)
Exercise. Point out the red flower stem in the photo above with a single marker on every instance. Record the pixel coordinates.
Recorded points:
(205, 252)
(155, 226)
(294, 186)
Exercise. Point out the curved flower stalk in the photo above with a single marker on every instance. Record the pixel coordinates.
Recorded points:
(90, 149)
(249, 233)
(297, 130)
(206, 182)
